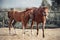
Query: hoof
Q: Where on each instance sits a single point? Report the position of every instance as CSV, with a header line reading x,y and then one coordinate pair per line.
x,y
9,33
14,34
24,33
37,34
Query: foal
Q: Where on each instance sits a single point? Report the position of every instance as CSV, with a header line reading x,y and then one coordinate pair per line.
x,y
23,17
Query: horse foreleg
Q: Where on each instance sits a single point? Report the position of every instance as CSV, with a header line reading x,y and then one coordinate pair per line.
x,y
23,29
37,29
43,26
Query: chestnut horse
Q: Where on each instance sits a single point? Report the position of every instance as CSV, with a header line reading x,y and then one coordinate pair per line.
x,y
39,16
15,16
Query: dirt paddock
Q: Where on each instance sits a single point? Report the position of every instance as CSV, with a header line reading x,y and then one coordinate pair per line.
x,y
50,34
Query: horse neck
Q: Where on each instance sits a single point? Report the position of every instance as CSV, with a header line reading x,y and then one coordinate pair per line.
x,y
40,10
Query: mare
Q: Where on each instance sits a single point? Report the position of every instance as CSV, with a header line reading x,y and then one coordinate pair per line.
x,y
39,16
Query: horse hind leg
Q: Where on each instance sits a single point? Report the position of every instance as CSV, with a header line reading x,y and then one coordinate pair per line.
x,y
14,26
9,28
31,27
9,25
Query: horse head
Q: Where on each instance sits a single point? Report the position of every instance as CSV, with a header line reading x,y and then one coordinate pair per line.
x,y
44,11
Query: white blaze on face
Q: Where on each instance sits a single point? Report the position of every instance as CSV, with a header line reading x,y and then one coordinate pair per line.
x,y
46,10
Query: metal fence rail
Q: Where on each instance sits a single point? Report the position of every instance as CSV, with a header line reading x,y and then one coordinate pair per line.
x,y
53,18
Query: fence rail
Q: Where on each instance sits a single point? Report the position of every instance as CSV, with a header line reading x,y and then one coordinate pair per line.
x,y
53,18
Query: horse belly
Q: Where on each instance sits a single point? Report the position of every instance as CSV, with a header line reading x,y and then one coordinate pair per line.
x,y
17,17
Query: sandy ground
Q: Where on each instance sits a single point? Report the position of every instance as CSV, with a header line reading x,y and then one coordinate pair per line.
x,y
50,34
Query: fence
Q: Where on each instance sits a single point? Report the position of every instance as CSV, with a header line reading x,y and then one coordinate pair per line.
x,y
53,18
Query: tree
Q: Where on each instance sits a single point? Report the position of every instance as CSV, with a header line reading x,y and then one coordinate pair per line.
x,y
45,3
55,5
58,2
